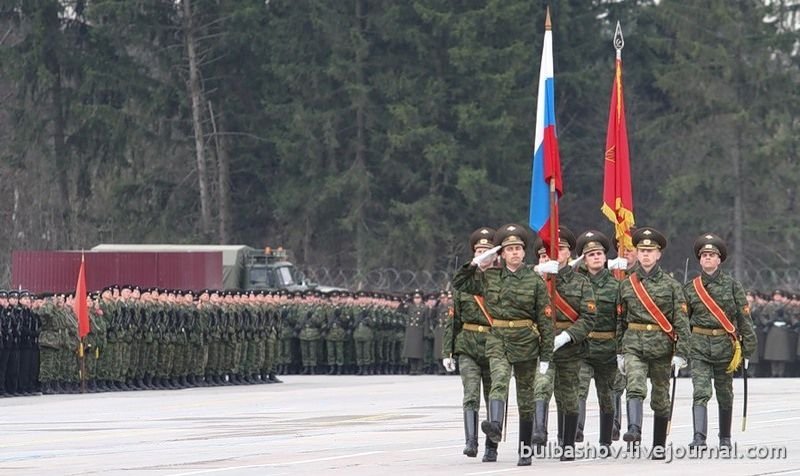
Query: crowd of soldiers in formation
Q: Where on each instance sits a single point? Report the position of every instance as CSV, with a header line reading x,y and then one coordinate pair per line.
x,y
776,318
165,339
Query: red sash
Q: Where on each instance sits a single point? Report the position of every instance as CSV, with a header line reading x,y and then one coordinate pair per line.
x,y
482,304
562,305
712,306
651,307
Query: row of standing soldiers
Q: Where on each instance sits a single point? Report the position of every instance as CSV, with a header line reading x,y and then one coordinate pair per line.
x,y
167,339
777,322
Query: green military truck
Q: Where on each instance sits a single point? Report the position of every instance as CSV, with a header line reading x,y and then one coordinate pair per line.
x,y
243,267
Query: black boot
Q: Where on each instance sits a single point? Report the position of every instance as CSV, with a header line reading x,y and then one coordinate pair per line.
x,y
725,417
331,369
634,433
46,389
525,449
606,428
490,451
471,433
274,379
540,423
581,421
700,420
360,370
338,370
617,416
307,370
560,434
493,427
659,437
570,428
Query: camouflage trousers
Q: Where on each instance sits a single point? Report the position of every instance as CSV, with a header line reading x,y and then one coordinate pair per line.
x,y
637,370
48,364
525,375
335,350
309,350
605,376
473,373
561,379
364,352
702,373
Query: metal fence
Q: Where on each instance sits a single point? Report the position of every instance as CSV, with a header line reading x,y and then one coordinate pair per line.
x,y
404,280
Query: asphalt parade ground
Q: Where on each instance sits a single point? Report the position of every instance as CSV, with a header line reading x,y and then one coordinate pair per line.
x,y
350,425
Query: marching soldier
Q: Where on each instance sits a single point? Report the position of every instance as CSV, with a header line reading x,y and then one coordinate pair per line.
x,y
515,300
575,318
722,334
465,339
652,336
601,358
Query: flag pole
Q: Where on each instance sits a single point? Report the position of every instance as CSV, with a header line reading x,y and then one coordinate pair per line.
x,y
81,346
619,43
81,356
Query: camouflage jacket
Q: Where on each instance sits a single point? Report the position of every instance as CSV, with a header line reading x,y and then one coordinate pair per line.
x,y
512,296
459,341
668,295
577,291
606,293
729,295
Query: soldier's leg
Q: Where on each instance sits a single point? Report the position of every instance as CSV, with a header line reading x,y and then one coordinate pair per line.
x,y
339,356
542,393
604,375
723,383
619,388
330,359
702,373
584,379
47,369
566,393
636,391
660,372
525,375
501,374
471,381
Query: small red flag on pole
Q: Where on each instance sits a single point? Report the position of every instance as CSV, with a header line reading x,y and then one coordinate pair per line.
x,y
81,307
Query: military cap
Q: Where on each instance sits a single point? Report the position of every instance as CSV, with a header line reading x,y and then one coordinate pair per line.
x,y
538,245
482,237
566,237
710,242
592,240
512,234
361,294
779,292
13,294
417,292
648,238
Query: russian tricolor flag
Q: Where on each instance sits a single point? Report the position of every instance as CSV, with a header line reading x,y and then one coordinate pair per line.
x,y
546,161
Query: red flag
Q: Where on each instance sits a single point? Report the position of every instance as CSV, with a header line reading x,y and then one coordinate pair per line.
x,y
617,192
80,306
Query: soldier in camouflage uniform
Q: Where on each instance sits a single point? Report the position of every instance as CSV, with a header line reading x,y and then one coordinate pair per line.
x,y
335,335
601,361
465,339
575,311
522,330
645,348
363,334
715,334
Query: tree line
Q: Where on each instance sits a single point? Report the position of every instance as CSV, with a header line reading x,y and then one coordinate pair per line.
x,y
364,134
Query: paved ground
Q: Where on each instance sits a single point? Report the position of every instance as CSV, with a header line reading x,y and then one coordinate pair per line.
x,y
344,425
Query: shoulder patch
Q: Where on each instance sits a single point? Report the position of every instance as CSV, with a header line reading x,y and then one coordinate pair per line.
x,y
592,306
451,312
684,307
619,309
548,311
746,310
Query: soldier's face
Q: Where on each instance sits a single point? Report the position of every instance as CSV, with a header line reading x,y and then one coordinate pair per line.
x,y
513,255
595,260
631,257
563,255
647,257
479,250
709,261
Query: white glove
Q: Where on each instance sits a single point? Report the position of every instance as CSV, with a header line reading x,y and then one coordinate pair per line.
x,y
561,340
746,363
550,267
543,366
575,261
486,258
779,324
621,363
678,363
449,364
618,263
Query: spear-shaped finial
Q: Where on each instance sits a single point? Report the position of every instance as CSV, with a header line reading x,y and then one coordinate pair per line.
x,y
619,42
547,24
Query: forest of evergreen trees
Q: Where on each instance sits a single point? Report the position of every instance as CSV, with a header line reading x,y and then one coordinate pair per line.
x,y
379,133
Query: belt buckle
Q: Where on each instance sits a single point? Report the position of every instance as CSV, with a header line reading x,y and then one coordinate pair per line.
x,y
649,327
480,328
714,332
511,324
